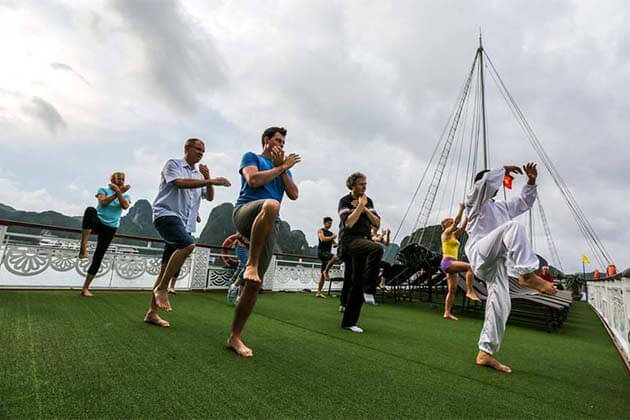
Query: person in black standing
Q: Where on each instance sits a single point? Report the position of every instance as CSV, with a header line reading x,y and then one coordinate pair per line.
x,y
357,214
347,273
324,253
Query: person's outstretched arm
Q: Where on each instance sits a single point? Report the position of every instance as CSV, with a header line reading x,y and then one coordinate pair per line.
x,y
187,183
458,216
171,174
462,228
526,199
452,229
486,188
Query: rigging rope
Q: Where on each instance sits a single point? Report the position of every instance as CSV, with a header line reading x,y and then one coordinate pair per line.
x,y
584,224
426,169
427,204
590,243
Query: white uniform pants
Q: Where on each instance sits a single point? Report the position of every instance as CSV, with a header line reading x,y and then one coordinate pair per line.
x,y
503,252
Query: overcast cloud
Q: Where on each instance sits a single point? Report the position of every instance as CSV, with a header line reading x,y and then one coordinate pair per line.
x,y
360,85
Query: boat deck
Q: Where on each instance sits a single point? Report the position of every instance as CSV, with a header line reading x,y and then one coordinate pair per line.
x,y
71,357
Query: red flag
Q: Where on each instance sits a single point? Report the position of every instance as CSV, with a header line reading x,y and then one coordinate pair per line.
x,y
507,181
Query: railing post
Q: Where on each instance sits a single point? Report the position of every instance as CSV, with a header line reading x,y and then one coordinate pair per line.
x,y
113,270
270,274
3,231
199,268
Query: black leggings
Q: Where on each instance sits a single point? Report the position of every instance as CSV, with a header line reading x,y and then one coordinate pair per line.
x,y
104,235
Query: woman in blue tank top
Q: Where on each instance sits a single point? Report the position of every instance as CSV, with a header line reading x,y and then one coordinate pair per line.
x,y
103,221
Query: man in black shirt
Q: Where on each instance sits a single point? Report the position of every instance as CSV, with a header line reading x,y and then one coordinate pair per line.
x,y
324,247
357,214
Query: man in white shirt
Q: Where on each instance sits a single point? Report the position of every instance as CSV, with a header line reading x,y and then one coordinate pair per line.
x,y
175,211
498,248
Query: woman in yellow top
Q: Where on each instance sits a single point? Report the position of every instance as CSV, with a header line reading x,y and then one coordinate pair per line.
x,y
450,265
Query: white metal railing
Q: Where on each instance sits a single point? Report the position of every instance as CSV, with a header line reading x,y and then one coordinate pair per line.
x,y
36,261
611,300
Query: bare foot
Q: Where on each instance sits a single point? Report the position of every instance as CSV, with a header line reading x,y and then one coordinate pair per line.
x,y
161,300
251,274
532,281
485,359
472,296
83,254
342,308
235,343
320,295
86,293
450,316
154,318
172,291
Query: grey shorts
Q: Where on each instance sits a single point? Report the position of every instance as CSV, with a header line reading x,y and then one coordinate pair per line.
x,y
244,216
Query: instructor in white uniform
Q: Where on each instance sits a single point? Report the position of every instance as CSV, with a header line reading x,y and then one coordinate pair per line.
x,y
498,248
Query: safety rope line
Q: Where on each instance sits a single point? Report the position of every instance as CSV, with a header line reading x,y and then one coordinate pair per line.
x,y
576,210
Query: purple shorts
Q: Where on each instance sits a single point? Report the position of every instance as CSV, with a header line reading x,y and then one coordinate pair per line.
x,y
445,264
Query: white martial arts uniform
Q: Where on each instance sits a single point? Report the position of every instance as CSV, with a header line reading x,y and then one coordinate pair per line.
x,y
497,247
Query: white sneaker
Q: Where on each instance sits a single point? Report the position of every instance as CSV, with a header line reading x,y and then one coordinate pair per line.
x,y
369,299
354,328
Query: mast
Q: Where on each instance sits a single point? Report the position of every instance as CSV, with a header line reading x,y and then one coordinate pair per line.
x,y
531,229
483,104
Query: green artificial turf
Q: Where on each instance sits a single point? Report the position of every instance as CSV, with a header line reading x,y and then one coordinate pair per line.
x,y
71,357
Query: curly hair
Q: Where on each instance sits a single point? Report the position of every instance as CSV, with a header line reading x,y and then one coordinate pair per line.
x,y
115,174
352,179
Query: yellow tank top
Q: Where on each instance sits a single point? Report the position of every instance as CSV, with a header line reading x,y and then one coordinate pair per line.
x,y
450,248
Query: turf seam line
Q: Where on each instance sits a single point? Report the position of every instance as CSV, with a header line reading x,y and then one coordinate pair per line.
x,y
33,363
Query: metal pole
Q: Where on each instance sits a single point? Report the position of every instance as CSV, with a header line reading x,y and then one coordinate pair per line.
x,y
3,231
483,106
531,229
585,282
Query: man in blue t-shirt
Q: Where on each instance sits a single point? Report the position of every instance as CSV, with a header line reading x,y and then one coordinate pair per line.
x,y
264,180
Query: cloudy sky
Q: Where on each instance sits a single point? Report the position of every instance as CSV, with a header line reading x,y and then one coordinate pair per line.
x,y
87,88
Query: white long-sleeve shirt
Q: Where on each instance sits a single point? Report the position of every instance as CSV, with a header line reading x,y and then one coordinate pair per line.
x,y
484,214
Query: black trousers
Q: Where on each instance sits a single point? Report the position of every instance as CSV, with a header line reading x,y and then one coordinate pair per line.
x,y
347,280
366,256
104,234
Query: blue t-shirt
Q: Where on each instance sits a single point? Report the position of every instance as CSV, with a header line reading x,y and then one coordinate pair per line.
x,y
273,189
110,214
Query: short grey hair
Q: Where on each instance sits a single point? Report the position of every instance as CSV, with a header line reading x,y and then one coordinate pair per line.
x,y
191,142
352,179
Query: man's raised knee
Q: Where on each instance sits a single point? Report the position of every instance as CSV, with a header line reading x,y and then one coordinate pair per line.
x,y
271,206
